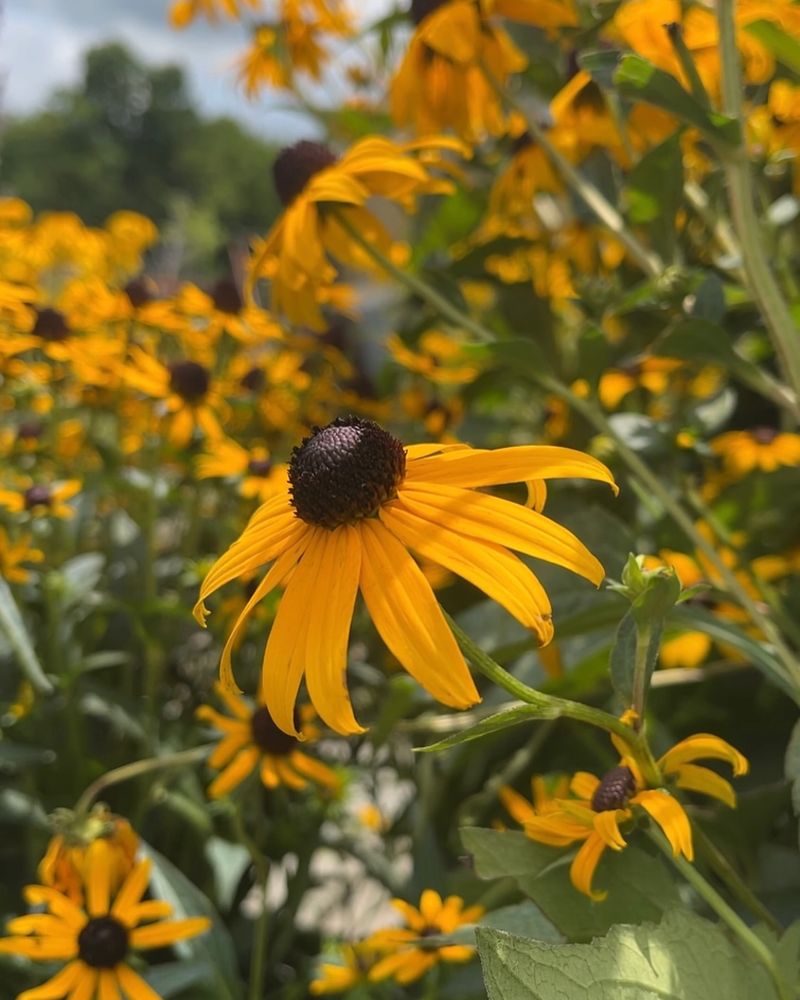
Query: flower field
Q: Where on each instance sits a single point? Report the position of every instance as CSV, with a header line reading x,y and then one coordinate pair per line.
x,y
406,605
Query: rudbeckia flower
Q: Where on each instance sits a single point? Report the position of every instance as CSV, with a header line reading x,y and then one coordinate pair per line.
x,y
763,448
14,554
42,499
357,500
82,844
252,740
408,958
96,941
332,977
599,806
260,477
318,189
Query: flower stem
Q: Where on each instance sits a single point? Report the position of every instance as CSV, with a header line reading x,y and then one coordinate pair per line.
x,y
644,633
553,707
137,768
258,955
751,941
761,281
591,196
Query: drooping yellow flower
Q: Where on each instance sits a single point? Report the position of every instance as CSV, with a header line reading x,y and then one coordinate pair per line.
x,y
408,958
96,940
14,554
357,500
82,845
318,190
592,816
252,740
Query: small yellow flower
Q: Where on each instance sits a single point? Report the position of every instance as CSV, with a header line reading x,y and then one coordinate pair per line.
x,y
260,478
597,807
96,939
408,959
356,502
764,449
358,960
438,356
252,740
41,500
14,554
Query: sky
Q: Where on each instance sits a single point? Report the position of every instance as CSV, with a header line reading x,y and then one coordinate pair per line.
x,y
43,42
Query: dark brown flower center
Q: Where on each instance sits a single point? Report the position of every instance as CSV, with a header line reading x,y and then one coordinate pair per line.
x,y
226,296
296,165
420,9
38,496
103,943
615,788
259,466
254,380
30,430
765,435
51,325
189,380
344,472
139,292
268,737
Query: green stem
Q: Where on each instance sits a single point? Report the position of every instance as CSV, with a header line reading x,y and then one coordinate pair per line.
x,y
137,768
555,708
717,861
761,282
751,941
258,955
594,199
644,634
699,92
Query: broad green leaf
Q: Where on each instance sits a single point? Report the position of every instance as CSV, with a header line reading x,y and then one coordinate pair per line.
x,y
792,767
685,957
655,185
759,653
623,658
639,887
521,918
641,80
494,724
172,978
14,630
214,947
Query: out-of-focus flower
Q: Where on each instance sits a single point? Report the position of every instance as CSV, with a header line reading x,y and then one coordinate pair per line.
x,y
357,961
764,448
253,741
14,554
438,356
259,477
42,499
183,12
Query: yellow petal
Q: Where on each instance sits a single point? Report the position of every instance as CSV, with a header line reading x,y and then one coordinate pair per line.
x,y
556,830
108,989
607,828
134,986
409,620
703,746
584,864
503,523
516,805
584,784
235,773
132,890
701,779
85,984
518,464
430,904
671,817
168,932
314,769
98,885
537,494
58,904
330,600
57,987
491,568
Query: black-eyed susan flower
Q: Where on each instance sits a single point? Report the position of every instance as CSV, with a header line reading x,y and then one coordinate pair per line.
x,y
183,12
42,499
318,189
598,807
82,844
13,556
405,955
357,961
764,448
253,741
438,356
96,940
357,500
259,477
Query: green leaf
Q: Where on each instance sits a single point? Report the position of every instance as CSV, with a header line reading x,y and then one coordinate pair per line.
x,y
642,81
521,918
172,978
709,300
655,185
494,724
215,946
696,339
14,755
600,64
639,885
623,658
683,958
758,653
524,356
792,767
785,47
13,628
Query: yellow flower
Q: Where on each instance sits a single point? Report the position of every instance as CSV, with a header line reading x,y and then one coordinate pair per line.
x,y
81,845
14,554
183,12
252,740
408,958
764,448
544,797
357,500
317,189
335,978
439,357
598,806
42,499
259,476
96,940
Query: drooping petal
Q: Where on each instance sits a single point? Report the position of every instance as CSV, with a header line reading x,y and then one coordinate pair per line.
x,y
314,769
57,987
287,775
516,805
168,932
671,817
584,865
235,773
694,778
409,620
330,600
491,568
556,829
703,746
517,464
511,525
584,784
606,824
